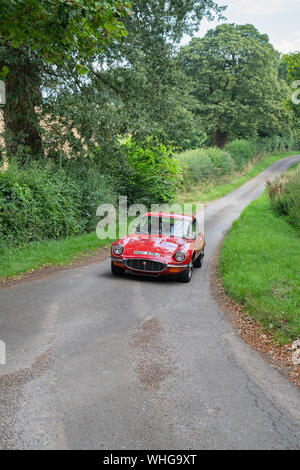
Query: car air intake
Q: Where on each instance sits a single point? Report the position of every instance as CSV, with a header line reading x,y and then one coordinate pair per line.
x,y
145,265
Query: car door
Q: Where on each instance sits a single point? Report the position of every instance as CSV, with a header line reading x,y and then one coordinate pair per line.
x,y
198,237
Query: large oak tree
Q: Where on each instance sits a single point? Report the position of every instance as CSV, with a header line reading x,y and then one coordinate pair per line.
x,y
35,31
236,84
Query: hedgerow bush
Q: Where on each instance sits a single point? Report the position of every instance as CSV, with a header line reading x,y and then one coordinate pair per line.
x,y
153,175
38,202
276,143
57,200
95,187
210,163
242,151
203,164
285,198
42,203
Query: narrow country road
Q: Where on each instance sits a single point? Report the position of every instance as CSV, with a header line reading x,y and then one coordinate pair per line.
x,y
98,362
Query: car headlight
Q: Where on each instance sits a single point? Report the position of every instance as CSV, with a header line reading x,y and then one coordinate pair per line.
x,y
118,249
180,256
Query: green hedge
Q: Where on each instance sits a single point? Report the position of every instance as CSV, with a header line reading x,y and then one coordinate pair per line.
x,y
276,143
242,151
39,203
203,164
48,202
286,202
154,175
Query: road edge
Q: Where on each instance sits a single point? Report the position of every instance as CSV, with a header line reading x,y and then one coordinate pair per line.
x,y
269,374
45,271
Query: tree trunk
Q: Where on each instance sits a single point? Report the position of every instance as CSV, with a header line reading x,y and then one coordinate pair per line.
x,y
22,130
221,138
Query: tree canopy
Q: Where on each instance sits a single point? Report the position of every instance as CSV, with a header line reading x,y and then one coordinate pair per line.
x,y
98,59
236,84
292,75
55,29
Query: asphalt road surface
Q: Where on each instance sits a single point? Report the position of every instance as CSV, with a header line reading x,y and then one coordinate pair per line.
x,y
101,362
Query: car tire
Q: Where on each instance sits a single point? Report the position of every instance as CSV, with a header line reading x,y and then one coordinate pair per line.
x,y
199,261
186,275
116,270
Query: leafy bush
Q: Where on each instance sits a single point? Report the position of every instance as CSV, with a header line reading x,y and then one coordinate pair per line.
x,y
285,198
39,203
95,187
153,174
276,143
242,151
203,164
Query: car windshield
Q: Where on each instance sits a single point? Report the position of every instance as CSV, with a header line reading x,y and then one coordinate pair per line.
x,y
166,226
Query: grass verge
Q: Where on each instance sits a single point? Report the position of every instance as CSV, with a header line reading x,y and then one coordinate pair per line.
x,y
207,192
21,260
260,267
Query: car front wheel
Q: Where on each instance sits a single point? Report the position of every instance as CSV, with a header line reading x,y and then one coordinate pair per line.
x,y
186,275
116,270
199,261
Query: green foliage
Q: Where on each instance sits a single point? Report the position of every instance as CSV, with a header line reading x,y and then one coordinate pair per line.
x,y
155,175
185,131
212,164
57,29
133,87
242,151
291,62
237,89
285,198
205,164
206,191
260,263
39,203
278,143
37,33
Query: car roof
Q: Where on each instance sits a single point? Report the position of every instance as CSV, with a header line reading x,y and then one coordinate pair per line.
x,y
172,215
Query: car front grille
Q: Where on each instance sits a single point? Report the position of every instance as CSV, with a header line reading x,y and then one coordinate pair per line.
x,y
145,265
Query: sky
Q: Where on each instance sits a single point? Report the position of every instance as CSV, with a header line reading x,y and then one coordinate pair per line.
x,y
279,19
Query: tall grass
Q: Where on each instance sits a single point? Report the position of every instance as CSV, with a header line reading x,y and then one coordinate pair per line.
x,y
204,164
242,151
211,165
285,197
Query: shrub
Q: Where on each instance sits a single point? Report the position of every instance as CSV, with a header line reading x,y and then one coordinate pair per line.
x,y
95,187
44,202
242,151
286,201
203,164
38,203
276,143
153,174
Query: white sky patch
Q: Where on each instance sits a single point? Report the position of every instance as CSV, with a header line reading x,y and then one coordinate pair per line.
x,y
286,46
263,7
279,19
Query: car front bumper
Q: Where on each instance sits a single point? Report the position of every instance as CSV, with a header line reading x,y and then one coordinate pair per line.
x,y
167,268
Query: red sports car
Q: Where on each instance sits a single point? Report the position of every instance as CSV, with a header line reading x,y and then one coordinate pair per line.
x,y
164,243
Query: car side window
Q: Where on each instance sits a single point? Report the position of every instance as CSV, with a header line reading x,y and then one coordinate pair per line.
x,y
195,228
